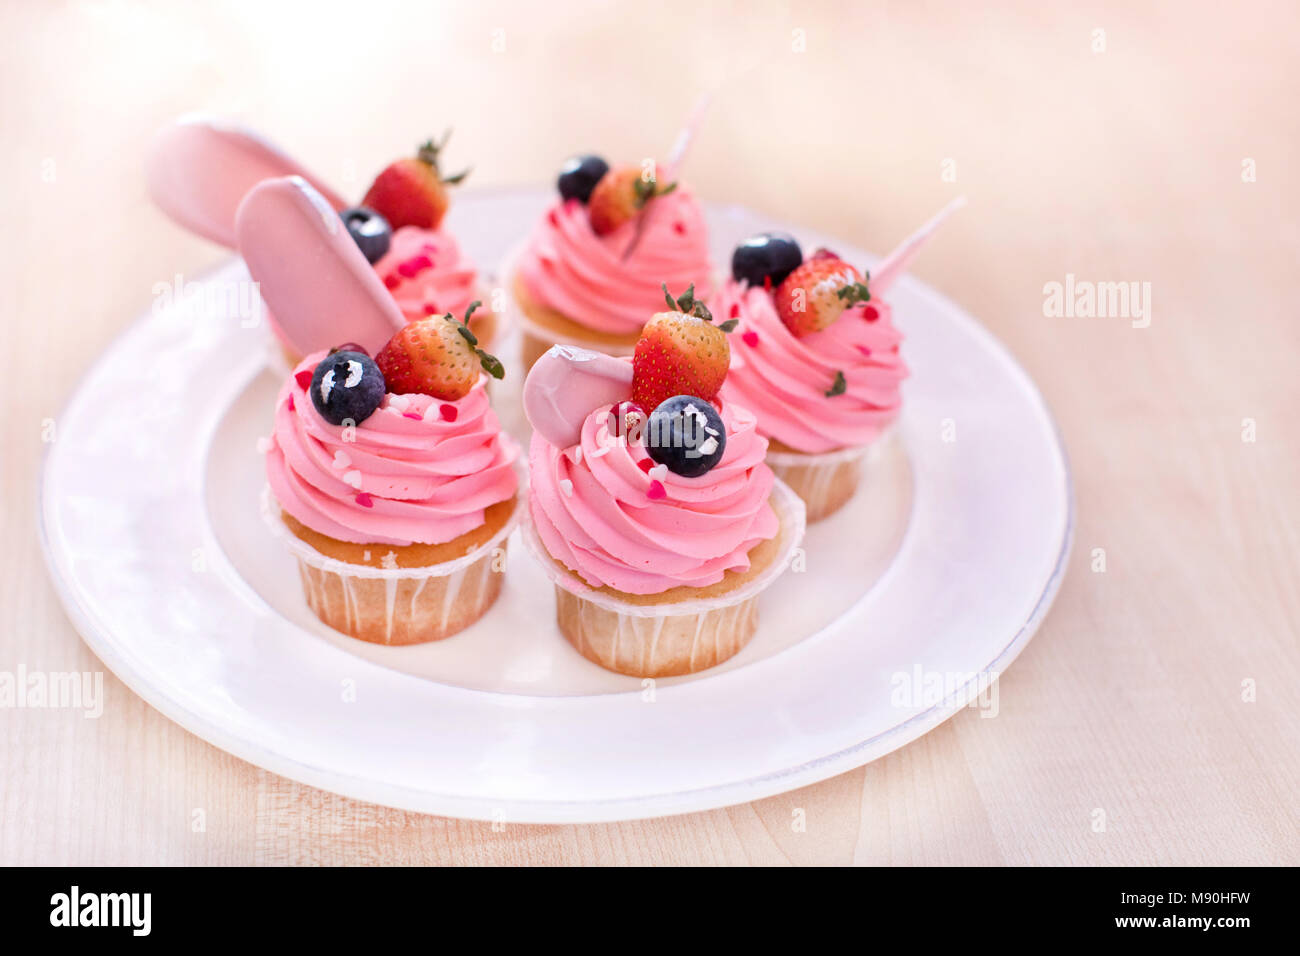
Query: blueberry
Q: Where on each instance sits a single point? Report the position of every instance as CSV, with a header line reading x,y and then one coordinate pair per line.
x,y
370,231
579,175
771,255
347,385
686,434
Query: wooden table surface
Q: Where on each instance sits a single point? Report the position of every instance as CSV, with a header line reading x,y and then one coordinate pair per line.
x,y
1155,145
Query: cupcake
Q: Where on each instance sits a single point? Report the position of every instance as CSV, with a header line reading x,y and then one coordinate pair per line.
x,y
659,529
817,358
389,478
590,273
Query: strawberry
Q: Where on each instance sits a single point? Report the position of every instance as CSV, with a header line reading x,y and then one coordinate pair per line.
x,y
437,356
411,191
620,195
680,352
816,293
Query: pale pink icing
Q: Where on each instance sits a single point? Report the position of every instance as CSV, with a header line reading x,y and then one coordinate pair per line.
x,y
427,273
427,479
594,514
784,379
569,268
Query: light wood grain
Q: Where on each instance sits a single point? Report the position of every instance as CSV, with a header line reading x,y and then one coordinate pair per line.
x,y
1119,165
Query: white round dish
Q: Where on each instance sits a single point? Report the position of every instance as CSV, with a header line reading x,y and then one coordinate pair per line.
x,y
939,571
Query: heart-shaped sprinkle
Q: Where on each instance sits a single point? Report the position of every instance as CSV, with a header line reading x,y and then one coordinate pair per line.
x,y
646,464
399,402
869,313
656,491
449,412
303,378
365,501
352,478
750,338
413,415
391,282
658,472
735,311
864,350
342,459
291,405
566,486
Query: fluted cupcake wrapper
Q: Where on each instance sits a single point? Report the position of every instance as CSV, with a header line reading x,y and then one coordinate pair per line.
x,y
828,480
663,640
397,605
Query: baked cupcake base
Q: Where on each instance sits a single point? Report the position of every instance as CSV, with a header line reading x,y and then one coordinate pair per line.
x,y
540,327
399,595
682,630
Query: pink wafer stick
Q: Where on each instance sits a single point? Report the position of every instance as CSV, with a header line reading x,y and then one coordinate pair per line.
x,y
200,168
897,262
311,273
665,171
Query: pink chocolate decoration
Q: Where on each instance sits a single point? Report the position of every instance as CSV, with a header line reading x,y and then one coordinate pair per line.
x,y
200,168
897,262
311,273
566,385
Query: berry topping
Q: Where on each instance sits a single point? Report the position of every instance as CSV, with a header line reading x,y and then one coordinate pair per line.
x,y
686,434
680,353
369,230
437,356
838,386
413,191
769,255
347,386
579,175
817,293
620,195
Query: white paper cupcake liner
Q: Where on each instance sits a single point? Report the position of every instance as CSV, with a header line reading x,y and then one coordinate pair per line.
x,y
661,640
398,605
826,481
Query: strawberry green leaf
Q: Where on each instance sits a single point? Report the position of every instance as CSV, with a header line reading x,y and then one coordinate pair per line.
x,y
729,325
458,178
838,387
491,364
857,292
467,335
672,303
701,311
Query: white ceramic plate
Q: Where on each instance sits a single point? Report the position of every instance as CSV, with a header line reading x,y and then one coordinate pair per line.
x,y
938,572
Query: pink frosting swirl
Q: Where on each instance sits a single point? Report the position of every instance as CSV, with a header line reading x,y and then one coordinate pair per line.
x,y
784,379
427,273
420,470
569,268
595,513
